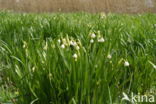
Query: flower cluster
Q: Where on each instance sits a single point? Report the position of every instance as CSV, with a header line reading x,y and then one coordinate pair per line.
x,y
70,43
98,37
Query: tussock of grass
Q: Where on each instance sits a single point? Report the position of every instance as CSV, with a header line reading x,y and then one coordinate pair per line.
x,y
77,58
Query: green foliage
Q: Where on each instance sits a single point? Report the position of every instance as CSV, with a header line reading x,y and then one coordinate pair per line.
x,y
42,66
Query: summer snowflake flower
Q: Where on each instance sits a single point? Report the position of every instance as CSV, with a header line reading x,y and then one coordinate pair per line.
x,y
33,69
101,40
59,41
109,56
91,41
63,46
24,44
93,35
77,47
73,43
126,64
75,56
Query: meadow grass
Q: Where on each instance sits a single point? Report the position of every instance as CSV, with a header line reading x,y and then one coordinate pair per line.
x,y
76,58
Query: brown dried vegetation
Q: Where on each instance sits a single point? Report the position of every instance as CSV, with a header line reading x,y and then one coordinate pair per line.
x,y
119,6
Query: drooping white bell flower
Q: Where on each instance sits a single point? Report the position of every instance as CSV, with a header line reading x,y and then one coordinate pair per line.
x,y
126,64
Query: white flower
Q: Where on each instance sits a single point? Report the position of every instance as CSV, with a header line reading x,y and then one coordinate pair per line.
x,y
33,69
101,40
59,41
73,43
126,64
109,56
93,35
24,44
63,46
75,56
77,47
91,41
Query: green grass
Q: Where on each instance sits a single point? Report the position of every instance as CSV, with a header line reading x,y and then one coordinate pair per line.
x,y
37,69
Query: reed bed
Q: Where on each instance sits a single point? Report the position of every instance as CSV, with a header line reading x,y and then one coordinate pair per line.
x,y
119,6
